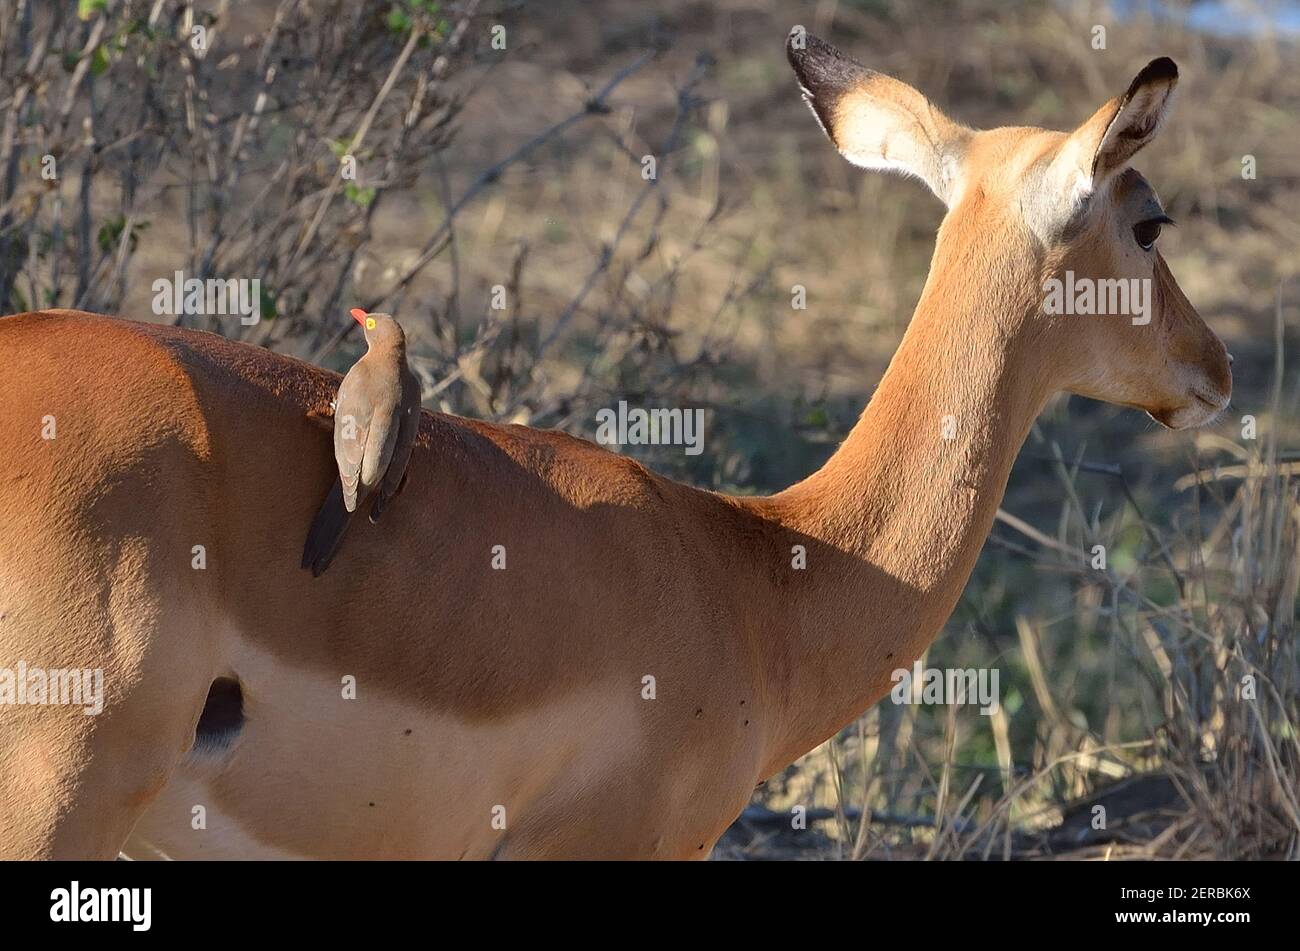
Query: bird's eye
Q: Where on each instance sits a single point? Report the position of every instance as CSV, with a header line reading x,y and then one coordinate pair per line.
x,y
1146,232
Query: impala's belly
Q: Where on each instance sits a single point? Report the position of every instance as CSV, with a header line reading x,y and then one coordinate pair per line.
x,y
326,766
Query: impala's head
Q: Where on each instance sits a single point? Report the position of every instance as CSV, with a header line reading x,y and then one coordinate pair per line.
x,y
1059,221
381,329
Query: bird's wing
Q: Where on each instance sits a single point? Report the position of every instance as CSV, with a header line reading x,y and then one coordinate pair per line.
x,y
385,424
406,433
352,417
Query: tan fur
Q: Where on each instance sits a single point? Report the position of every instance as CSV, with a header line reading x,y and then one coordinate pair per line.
x,y
519,688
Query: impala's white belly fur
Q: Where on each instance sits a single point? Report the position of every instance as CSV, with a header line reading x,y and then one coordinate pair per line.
x,y
314,775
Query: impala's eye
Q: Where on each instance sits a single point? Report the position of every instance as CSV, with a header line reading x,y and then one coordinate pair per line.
x,y
1146,232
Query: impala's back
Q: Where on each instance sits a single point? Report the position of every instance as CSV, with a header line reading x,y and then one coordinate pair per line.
x,y
157,531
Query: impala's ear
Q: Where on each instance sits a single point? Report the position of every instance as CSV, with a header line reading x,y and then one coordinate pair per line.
x,y
1104,144
875,121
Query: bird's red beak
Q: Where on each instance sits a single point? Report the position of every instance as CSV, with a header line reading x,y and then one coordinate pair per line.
x,y
358,315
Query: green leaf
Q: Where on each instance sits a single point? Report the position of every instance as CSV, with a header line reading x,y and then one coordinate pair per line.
x,y
268,302
359,196
110,234
397,20
818,418
99,61
86,9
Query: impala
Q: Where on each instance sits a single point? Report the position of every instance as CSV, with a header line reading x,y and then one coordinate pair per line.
x,y
553,652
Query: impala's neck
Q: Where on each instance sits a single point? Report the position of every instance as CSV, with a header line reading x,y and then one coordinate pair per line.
x,y
894,521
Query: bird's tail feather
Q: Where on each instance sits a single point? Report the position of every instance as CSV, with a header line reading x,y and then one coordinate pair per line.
x,y
327,532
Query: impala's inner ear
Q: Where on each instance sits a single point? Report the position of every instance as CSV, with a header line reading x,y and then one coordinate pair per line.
x,y
1117,131
878,122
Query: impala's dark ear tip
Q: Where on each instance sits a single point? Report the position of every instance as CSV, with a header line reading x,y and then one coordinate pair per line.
x,y
800,45
1163,69
823,71
796,50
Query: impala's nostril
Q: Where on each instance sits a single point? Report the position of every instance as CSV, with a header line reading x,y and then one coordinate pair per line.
x,y
1229,359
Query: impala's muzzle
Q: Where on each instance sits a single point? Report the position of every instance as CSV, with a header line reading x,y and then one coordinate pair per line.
x,y
1196,358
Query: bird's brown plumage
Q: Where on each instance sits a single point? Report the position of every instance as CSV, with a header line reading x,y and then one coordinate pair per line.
x,y
376,417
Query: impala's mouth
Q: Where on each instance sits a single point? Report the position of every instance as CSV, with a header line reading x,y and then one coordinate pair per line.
x,y
1216,403
1201,410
